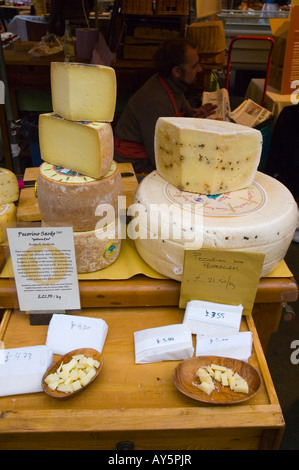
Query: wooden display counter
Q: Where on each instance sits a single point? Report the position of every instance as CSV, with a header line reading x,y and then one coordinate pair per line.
x,y
133,406
143,291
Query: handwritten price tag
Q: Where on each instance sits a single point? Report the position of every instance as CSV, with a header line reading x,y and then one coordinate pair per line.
x,y
68,332
165,343
227,277
21,369
209,318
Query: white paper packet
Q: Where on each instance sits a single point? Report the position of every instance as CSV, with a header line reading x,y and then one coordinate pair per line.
x,y
235,346
166,343
69,332
209,318
22,369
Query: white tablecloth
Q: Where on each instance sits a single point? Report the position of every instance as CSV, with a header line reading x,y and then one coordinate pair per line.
x,y
18,25
275,101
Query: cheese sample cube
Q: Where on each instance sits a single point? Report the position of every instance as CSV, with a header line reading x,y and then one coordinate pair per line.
x,y
206,156
66,197
85,147
9,187
83,92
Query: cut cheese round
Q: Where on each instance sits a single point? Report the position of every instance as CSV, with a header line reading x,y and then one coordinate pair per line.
x,y
261,218
69,198
83,92
97,249
86,147
9,187
205,155
8,214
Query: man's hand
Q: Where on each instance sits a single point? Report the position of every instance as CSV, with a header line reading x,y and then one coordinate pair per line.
x,y
204,111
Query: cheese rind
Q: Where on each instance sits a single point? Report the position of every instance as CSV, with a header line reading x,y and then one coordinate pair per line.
x,y
83,92
8,213
68,198
85,147
96,249
9,187
206,156
266,228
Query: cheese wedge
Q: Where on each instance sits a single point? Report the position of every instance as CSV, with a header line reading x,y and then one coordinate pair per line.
x,y
206,156
85,147
83,92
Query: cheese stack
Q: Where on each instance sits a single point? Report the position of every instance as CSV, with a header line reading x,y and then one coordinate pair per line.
x,y
79,177
9,194
211,166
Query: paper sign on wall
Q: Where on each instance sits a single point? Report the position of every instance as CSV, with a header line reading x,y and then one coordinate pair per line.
x,y
227,277
44,266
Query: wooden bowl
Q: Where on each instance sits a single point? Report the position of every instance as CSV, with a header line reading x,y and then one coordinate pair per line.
x,y
88,352
184,379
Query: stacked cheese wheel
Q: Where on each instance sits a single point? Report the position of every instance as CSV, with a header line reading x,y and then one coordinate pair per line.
x,y
211,165
9,194
79,177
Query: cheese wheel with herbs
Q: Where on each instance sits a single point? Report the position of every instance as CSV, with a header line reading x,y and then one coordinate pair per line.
x,y
206,155
8,213
9,186
261,218
69,198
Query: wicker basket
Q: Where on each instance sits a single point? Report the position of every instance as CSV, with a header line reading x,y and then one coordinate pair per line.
x,y
137,7
209,36
172,7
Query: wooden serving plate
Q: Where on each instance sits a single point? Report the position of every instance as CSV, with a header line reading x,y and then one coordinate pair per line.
x,y
184,379
88,352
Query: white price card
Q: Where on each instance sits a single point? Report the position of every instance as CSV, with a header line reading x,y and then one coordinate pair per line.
x,y
22,369
44,265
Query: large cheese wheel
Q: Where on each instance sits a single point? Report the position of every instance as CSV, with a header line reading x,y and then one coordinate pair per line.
x,y
261,218
97,249
86,147
69,198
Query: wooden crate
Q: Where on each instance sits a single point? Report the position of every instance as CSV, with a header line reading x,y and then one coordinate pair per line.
x,y
139,52
172,7
137,7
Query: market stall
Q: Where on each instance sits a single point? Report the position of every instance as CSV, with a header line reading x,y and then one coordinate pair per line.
x,y
159,323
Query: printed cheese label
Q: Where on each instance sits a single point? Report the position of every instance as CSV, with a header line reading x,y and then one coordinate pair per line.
x,y
65,175
235,203
44,266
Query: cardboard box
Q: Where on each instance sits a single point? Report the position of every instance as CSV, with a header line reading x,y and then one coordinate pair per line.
x,y
285,61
